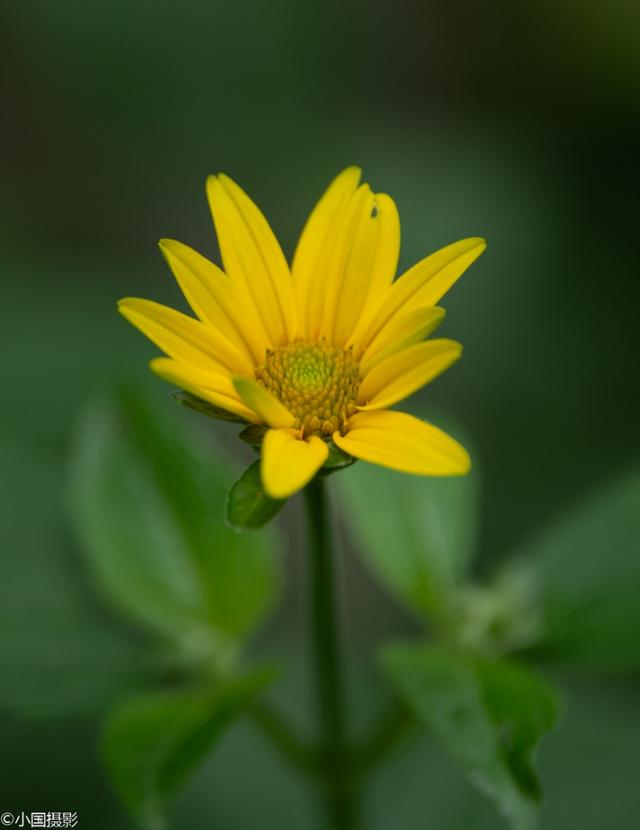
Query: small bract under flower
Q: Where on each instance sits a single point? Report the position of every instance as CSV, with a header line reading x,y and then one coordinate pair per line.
x,y
317,352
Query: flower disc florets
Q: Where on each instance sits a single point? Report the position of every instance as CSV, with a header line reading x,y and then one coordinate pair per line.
x,y
318,384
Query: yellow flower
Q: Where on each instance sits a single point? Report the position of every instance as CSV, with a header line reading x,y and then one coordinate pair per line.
x,y
317,352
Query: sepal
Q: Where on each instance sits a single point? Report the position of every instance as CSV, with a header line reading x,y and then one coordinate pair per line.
x,y
253,435
206,408
248,506
336,460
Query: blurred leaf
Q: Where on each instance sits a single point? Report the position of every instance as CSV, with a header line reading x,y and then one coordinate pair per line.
x,y
59,655
147,499
205,408
488,716
248,506
523,707
589,581
416,533
153,742
62,660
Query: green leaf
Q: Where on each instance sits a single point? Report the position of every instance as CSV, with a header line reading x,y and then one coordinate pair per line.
x,y
206,408
60,655
588,567
488,716
248,506
153,742
59,658
147,500
523,707
417,534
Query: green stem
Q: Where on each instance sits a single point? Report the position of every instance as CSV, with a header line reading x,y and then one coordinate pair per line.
x,y
394,725
293,749
338,778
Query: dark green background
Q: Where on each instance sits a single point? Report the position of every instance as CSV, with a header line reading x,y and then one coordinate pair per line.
x,y
515,121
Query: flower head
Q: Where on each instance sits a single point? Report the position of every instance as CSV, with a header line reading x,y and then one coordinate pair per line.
x,y
318,352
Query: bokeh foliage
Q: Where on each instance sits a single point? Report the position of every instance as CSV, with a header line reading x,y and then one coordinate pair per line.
x,y
147,496
518,122
141,497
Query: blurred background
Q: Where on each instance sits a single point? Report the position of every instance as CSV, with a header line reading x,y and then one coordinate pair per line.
x,y
519,122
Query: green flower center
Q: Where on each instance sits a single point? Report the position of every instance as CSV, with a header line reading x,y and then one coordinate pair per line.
x,y
318,384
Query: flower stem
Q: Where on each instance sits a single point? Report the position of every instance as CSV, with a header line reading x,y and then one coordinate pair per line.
x,y
337,779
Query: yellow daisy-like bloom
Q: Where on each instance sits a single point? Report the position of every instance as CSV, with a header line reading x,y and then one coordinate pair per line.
x,y
320,351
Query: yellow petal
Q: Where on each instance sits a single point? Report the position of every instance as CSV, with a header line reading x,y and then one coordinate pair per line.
x,y
214,298
404,330
424,284
252,257
288,462
216,389
263,403
182,337
403,373
336,263
169,369
317,241
369,268
404,443
386,261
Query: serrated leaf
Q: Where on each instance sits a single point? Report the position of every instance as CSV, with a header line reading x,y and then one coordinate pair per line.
x,y
147,500
417,534
588,569
523,707
206,408
153,742
465,706
248,506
